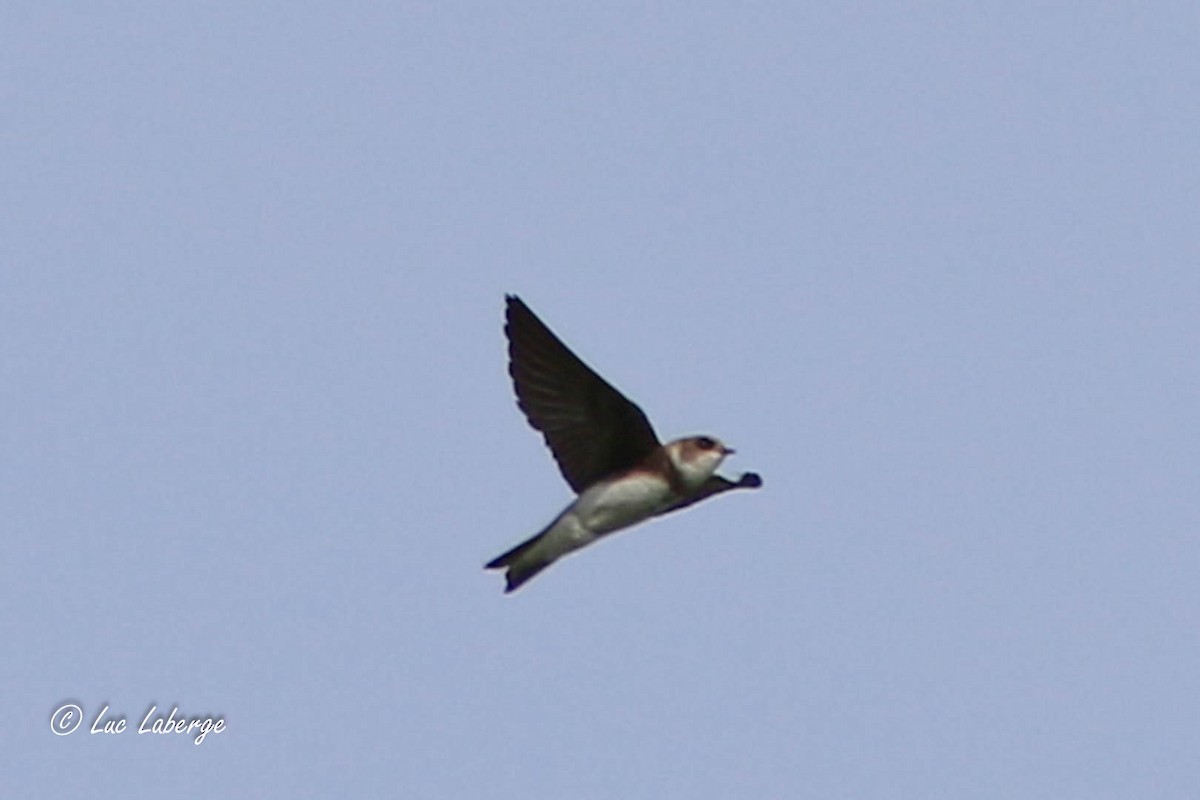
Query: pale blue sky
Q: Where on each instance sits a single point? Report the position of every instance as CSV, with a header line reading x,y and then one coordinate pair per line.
x,y
933,269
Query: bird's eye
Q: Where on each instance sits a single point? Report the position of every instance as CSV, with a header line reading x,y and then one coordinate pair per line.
x,y
705,443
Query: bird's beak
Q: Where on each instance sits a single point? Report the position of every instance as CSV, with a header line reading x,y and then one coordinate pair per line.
x,y
727,450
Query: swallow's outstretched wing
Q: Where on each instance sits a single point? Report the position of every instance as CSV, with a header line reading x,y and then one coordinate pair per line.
x,y
592,429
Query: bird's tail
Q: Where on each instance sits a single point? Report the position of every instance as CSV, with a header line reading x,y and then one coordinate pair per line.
x,y
523,562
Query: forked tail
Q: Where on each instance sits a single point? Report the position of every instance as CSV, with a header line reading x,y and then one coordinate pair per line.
x,y
522,563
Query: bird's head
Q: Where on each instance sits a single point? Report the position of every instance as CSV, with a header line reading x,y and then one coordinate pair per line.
x,y
697,458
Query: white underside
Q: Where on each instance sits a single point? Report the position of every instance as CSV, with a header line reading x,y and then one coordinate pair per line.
x,y
605,508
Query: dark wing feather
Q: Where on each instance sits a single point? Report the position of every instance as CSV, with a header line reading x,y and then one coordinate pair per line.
x,y
592,429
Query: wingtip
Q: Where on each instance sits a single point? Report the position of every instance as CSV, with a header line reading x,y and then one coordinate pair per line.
x,y
514,311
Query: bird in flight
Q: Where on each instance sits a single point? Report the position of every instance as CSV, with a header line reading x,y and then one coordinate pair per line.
x,y
605,448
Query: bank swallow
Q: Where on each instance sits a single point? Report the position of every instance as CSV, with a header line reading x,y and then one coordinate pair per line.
x,y
604,446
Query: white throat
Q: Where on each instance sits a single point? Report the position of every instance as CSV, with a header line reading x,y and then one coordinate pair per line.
x,y
694,467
